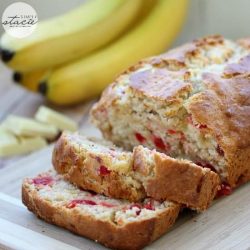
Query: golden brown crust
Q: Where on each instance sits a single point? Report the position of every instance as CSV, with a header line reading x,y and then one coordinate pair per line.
x,y
132,236
176,59
180,181
160,84
193,186
175,180
173,60
225,108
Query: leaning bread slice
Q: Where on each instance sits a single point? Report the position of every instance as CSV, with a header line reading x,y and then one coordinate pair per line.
x,y
114,223
103,168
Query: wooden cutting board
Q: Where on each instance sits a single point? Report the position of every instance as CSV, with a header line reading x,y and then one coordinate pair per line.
x,y
226,225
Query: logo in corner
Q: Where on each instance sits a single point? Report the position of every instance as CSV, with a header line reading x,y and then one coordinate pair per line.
x,y
19,19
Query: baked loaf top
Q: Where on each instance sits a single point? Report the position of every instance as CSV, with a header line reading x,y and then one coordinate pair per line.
x,y
101,167
199,92
115,223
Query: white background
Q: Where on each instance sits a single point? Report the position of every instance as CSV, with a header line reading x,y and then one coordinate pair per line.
x,y
230,18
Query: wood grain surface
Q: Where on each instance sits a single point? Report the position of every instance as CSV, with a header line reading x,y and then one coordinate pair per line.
x,y
226,225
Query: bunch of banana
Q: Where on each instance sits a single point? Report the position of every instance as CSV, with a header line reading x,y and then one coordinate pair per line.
x,y
70,36
90,46
29,80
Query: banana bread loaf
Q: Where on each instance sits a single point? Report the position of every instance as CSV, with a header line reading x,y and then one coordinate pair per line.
x,y
191,102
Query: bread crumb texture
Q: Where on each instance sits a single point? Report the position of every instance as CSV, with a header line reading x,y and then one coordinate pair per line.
x,y
117,224
192,102
51,187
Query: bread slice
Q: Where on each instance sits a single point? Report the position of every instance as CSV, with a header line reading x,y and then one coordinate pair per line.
x,y
116,224
192,102
106,169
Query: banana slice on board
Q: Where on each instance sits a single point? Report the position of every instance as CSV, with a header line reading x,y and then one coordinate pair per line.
x,y
52,117
11,146
28,127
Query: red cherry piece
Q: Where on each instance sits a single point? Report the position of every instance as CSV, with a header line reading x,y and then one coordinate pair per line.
x,y
159,143
103,170
73,203
220,150
137,206
138,212
140,138
149,205
172,131
46,180
105,204
225,189
201,126
89,202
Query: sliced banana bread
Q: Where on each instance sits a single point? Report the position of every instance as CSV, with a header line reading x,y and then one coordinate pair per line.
x,y
116,224
191,102
106,169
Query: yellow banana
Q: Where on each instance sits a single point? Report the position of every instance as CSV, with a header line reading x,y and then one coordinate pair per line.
x,y
87,77
69,36
29,80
